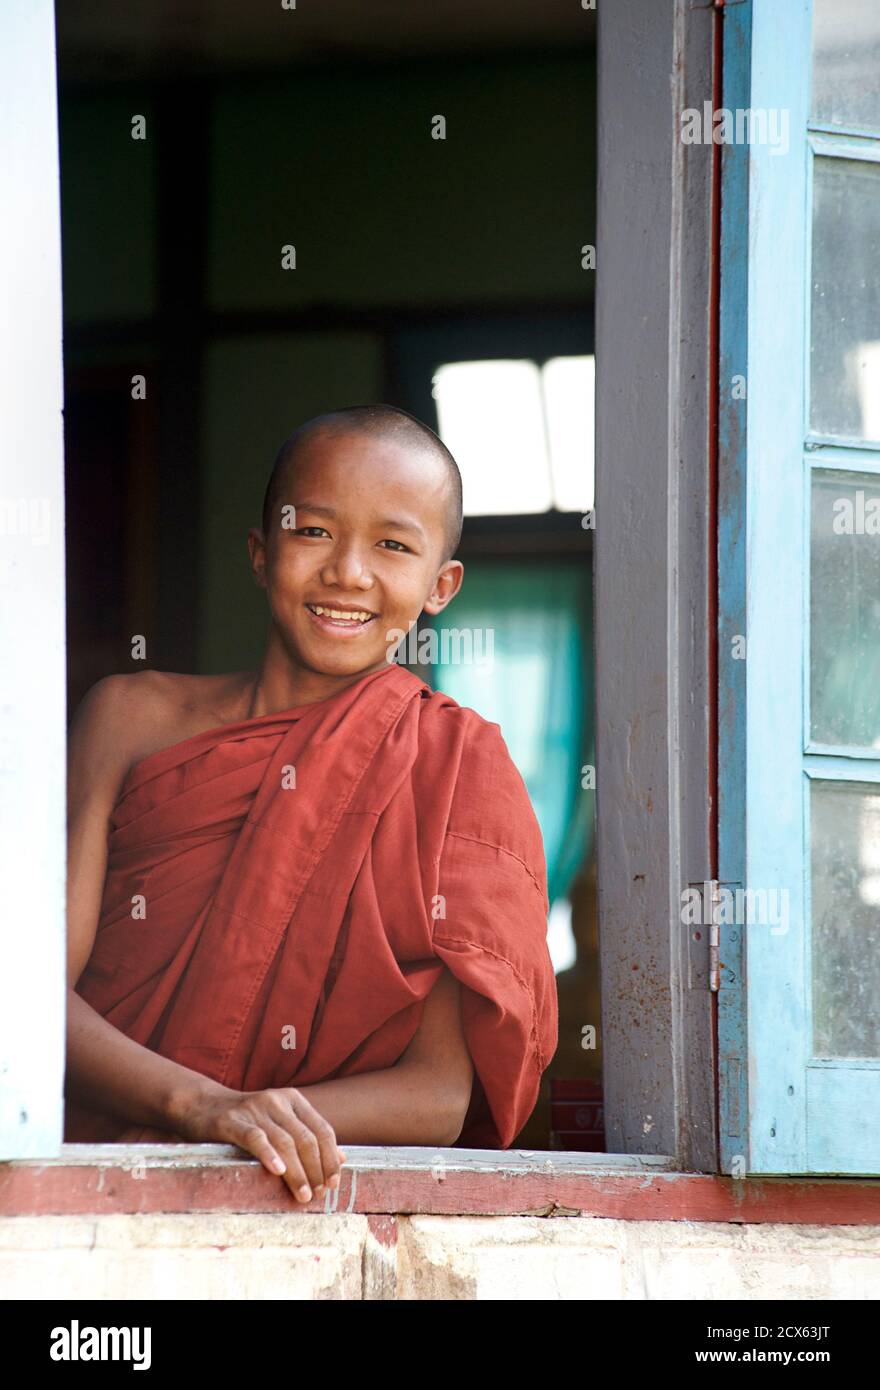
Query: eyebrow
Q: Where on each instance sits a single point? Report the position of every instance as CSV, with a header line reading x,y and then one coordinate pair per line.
x,y
392,522
315,507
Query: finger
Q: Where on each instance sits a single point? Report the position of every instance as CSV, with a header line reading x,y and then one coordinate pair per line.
x,y
283,1105
329,1154
292,1140
309,1149
254,1140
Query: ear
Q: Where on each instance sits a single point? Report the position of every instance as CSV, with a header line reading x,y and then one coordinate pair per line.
x,y
257,551
445,586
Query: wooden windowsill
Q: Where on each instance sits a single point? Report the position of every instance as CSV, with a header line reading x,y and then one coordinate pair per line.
x,y
101,1179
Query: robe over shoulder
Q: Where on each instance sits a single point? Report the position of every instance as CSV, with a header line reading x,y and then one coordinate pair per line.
x,y
282,893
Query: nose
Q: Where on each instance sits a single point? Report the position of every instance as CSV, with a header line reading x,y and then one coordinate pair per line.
x,y
348,567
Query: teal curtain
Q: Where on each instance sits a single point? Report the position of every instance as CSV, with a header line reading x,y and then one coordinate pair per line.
x,y
538,688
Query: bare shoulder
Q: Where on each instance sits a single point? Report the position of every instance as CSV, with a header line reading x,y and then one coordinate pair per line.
x,y
124,718
111,723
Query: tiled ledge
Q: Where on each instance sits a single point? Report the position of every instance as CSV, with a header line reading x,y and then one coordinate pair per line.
x,y
131,1178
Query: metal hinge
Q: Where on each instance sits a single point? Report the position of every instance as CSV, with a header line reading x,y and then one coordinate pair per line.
x,y
714,935
704,939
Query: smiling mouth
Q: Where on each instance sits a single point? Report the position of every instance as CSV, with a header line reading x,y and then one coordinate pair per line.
x,y
343,619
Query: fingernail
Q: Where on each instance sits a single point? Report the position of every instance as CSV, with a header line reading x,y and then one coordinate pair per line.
x,y
278,1165
334,1181
319,1190
305,1193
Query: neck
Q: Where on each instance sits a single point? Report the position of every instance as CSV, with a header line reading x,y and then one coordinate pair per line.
x,y
279,684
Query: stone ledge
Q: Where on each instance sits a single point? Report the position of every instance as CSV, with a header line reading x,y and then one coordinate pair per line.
x,y
302,1256
478,1258
284,1256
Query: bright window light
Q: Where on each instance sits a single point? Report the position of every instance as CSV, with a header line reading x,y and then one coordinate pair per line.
x,y
491,417
569,400
560,937
522,435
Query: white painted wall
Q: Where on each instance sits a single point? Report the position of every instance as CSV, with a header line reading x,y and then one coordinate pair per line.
x,y
32,643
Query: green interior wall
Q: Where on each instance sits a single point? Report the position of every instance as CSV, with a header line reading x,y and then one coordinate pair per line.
x,y
108,208
379,212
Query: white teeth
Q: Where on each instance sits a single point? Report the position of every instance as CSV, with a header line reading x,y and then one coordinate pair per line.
x,y
339,615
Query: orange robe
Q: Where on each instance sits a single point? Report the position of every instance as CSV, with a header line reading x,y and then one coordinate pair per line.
x,y
303,876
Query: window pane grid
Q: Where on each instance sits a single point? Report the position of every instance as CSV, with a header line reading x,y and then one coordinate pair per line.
x,y
841,527
843,909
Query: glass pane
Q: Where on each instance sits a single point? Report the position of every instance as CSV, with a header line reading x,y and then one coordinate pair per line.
x,y
570,397
491,418
845,835
845,329
846,63
845,609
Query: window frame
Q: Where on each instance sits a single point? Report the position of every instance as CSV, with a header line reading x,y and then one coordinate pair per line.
x,y
768,1077
32,595
384,1184
656,406
654,314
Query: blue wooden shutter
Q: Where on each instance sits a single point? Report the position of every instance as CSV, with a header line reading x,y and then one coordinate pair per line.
x,y
799,555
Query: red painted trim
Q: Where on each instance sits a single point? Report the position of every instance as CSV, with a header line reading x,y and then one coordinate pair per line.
x,y
32,1188
713,462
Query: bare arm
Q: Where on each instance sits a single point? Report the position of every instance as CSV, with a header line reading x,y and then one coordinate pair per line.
x,y
104,1067
423,1098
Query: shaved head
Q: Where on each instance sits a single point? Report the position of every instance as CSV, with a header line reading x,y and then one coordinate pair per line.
x,y
378,421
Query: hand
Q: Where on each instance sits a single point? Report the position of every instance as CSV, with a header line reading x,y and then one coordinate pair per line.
x,y
279,1127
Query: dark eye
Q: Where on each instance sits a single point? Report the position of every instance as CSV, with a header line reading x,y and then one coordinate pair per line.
x,y
397,544
309,530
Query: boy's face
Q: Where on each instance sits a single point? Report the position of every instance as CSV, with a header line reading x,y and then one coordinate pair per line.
x,y
366,537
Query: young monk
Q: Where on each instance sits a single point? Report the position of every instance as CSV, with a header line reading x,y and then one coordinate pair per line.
x,y
308,903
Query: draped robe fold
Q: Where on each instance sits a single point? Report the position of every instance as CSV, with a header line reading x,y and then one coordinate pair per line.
x,y
281,895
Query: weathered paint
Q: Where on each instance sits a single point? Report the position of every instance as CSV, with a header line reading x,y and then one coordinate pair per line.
x,y
652,582
152,1179
284,1257
802,1114
775,975
732,444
